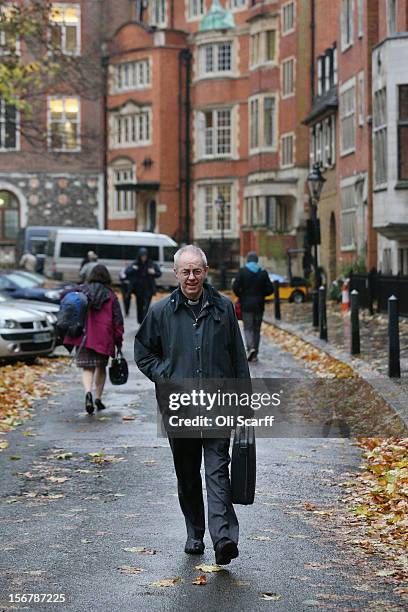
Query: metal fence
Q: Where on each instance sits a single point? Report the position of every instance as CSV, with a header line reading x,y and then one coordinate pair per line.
x,y
374,289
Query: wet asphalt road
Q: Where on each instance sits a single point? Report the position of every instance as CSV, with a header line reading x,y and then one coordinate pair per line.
x,y
68,537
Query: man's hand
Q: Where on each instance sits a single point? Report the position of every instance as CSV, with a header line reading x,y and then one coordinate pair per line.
x,y
151,271
135,267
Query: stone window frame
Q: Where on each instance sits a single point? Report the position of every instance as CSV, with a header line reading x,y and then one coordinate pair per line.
x,y
62,7
63,149
348,214
241,7
261,59
392,17
136,85
213,38
260,146
159,8
202,58
289,137
380,136
347,114
347,24
360,18
196,16
135,112
3,39
121,164
201,135
285,74
284,9
200,211
3,126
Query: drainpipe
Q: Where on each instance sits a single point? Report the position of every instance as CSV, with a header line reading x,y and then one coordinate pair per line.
x,y
105,62
185,58
313,45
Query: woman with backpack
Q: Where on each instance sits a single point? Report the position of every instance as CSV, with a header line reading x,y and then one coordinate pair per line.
x,y
102,334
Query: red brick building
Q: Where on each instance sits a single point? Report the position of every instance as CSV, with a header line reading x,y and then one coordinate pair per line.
x,y
217,113
52,172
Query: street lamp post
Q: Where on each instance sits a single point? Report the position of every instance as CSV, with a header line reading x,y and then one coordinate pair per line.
x,y
315,182
220,204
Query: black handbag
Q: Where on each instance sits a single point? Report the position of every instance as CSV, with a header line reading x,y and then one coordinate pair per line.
x,y
243,466
118,371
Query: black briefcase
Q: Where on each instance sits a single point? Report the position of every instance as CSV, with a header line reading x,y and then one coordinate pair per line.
x,y
243,466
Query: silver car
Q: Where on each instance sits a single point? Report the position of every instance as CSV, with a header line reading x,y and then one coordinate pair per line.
x,y
25,332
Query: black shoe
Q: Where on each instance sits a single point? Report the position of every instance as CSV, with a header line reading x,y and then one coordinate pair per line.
x,y
194,547
99,405
225,551
251,354
89,407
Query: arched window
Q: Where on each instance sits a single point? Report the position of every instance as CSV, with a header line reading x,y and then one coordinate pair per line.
x,y
9,216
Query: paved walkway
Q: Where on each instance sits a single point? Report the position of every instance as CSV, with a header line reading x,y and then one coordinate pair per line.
x,y
68,516
373,332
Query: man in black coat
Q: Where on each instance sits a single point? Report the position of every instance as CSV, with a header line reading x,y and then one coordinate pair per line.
x,y
194,333
251,286
141,275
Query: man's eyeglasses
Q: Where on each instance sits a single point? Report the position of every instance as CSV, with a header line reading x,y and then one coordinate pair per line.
x,y
197,273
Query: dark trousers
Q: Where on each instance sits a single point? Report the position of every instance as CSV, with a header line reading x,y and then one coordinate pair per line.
x,y
187,454
126,296
143,300
252,329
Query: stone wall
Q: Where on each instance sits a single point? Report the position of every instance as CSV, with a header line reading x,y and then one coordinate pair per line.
x,y
57,199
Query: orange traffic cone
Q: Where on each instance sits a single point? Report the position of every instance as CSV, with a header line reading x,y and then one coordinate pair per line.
x,y
345,296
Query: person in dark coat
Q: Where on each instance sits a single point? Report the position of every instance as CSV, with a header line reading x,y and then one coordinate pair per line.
x,y
141,275
103,334
251,286
194,333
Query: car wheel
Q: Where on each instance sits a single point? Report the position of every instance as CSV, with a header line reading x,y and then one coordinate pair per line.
x,y
29,360
298,297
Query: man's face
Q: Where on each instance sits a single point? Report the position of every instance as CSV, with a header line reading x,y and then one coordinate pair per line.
x,y
143,258
191,274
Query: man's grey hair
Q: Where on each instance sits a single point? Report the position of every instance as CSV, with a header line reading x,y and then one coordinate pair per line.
x,y
190,248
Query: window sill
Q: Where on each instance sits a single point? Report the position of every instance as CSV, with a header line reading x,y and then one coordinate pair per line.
x,y
348,249
380,188
270,64
348,152
9,150
291,31
401,184
130,89
261,150
209,76
215,158
64,151
346,47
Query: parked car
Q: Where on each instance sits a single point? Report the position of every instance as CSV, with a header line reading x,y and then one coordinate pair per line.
x,y
48,308
66,249
294,290
25,333
20,285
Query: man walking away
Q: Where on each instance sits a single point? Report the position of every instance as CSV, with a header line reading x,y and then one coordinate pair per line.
x,y
141,275
194,333
28,262
87,268
251,286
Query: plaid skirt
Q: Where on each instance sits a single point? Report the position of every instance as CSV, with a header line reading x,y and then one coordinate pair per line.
x,y
88,358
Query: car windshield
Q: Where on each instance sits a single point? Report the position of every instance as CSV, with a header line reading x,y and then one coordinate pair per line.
x,y
25,282
38,278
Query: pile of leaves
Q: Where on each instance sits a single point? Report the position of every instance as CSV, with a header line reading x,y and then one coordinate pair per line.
x,y
378,497
320,362
20,385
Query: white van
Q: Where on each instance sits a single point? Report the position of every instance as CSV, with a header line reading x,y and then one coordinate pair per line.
x,y
66,248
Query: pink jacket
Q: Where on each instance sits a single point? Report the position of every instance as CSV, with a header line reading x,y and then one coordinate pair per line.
x,y
104,328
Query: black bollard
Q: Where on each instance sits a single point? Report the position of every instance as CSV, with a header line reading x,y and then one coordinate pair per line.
x,y
355,324
315,305
394,369
276,299
322,314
